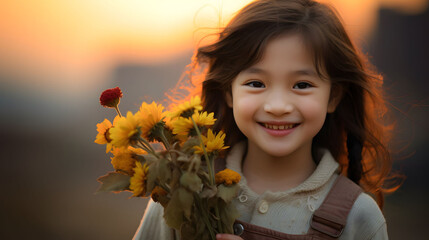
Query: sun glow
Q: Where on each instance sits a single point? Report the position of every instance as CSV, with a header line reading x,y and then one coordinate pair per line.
x,y
76,39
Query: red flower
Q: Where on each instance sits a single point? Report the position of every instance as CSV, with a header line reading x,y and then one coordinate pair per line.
x,y
111,97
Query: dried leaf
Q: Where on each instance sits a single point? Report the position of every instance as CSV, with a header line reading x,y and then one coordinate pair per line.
x,y
228,215
208,192
113,182
164,200
204,176
188,231
178,208
191,181
183,158
175,179
186,200
227,193
202,231
163,170
173,213
190,143
196,160
149,158
151,177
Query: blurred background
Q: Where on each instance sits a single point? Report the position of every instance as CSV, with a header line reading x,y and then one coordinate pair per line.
x,y
56,57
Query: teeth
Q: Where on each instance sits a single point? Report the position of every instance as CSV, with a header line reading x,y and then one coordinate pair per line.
x,y
278,127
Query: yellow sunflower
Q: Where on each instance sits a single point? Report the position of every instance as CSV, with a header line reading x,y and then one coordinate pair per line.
x,y
227,177
150,117
213,142
182,126
138,180
126,131
187,108
124,159
103,136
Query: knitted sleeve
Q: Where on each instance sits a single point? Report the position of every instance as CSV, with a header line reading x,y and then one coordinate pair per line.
x,y
365,221
153,225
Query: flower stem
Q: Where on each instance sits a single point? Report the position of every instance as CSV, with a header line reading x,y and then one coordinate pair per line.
x,y
209,163
147,146
205,216
219,222
117,110
210,167
165,140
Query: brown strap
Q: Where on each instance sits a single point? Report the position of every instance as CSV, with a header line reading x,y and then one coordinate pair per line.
x,y
254,232
330,218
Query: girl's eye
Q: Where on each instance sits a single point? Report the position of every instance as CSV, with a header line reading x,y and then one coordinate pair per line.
x,y
302,85
255,84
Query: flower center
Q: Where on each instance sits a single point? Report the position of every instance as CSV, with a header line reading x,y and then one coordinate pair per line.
x,y
107,135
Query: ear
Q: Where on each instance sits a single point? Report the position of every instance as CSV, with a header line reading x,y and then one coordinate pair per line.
x,y
228,98
335,97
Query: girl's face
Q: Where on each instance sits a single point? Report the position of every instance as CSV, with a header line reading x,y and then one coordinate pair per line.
x,y
280,103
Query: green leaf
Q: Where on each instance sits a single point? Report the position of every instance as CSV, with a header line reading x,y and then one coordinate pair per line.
x,y
202,231
149,158
208,192
228,214
196,161
151,177
188,231
227,193
183,158
163,170
191,181
176,177
186,200
178,208
190,143
113,182
173,213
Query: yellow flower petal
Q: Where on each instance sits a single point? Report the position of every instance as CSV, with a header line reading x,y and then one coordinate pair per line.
x,y
183,126
212,142
102,129
126,131
124,159
103,136
187,107
150,116
138,180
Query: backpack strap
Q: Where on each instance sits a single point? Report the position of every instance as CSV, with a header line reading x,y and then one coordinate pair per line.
x,y
329,220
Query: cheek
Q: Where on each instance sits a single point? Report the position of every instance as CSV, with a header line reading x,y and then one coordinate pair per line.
x,y
243,107
315,111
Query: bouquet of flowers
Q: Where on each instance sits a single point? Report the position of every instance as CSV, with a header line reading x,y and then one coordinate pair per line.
x,y
169,156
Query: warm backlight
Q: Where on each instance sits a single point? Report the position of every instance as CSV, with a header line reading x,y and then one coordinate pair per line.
x,y
48,39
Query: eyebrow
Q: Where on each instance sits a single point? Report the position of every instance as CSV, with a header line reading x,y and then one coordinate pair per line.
x,y
305,71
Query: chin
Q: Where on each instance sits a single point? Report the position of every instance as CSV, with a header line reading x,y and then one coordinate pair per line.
x,y
278,152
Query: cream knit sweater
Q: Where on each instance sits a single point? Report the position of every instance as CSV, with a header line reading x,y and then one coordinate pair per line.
x,y
289,212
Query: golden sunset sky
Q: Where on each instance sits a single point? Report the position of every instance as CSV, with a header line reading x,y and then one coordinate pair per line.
x,y
62,44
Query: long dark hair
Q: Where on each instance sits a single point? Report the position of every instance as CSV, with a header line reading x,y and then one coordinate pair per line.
x,y
355,133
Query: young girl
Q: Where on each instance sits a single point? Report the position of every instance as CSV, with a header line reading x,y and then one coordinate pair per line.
x,y
301,110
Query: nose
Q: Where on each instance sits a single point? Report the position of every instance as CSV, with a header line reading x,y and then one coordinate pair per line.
x,y
278,103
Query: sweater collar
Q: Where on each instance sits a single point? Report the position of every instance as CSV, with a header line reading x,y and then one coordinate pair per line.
x,y
325,169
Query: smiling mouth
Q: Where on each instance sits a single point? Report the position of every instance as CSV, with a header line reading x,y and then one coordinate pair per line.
x,y
279,127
